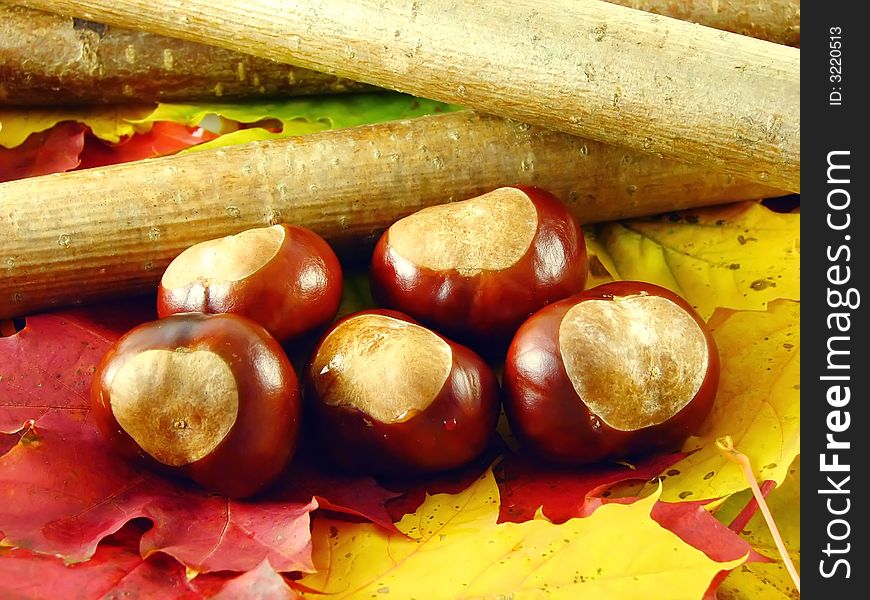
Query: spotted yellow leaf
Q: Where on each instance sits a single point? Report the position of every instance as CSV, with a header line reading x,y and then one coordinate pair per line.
x,y
455,549
758,404
739,256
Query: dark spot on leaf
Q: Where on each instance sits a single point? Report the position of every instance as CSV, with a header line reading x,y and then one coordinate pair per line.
x,y
684,495
597,268
734,266
673,472
762,284
709,475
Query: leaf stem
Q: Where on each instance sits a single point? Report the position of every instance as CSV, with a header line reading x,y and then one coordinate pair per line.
x,y
726,447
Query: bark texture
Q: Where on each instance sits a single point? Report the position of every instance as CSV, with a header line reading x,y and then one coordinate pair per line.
x,y
777,21
586,67
111,231
47,59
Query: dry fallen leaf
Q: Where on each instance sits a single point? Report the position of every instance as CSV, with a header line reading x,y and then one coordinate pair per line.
x,y
457,550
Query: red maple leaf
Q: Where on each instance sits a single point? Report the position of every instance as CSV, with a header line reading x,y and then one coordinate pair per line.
x,y
164,138
62,489
53,151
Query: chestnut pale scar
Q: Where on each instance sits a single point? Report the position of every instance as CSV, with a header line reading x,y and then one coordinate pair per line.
x,y
385,367
178,406
635,361
489,233
230,258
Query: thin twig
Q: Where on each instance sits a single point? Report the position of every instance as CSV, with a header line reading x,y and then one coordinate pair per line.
x,y
726,447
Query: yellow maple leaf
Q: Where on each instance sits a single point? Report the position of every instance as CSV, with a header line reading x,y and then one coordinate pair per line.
x,y
767,581
455,549
758,404
738,256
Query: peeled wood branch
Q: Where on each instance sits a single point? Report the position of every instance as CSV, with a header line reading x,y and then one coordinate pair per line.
x,y
47,59
586,67
111,231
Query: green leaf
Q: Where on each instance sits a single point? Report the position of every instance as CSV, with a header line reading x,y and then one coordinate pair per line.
x,y
334,112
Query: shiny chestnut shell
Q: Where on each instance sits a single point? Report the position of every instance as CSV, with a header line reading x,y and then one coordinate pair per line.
x,y
294,288
547,413
482,306
453,429
257,443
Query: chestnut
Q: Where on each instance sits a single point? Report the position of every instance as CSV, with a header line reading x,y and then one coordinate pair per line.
x,y
285,277
476,269
209,397
390,396
622,369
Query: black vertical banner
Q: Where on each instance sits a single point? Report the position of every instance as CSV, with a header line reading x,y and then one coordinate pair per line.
x,y
835,363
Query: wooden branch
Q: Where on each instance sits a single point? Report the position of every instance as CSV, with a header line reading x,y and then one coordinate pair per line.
x,y
41,57
47,59
777,21
100,232
585,67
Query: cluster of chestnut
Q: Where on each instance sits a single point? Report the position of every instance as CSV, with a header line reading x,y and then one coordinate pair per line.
x,y
208,392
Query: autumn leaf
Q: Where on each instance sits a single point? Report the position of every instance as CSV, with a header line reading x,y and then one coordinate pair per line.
x,y
758,404
739,256
768,581
115,571
111,124
53,151
62,489
261,583
162,139
301,115
47,366
530,489
458,550
527,486
30,145
601,266
331,111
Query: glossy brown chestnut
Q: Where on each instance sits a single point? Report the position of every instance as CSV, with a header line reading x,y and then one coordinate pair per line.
x,y
477,269
392,397
622,369
209,397
284,277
